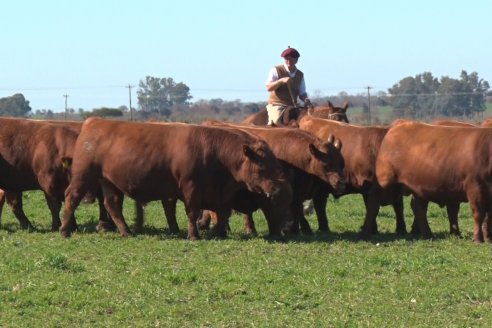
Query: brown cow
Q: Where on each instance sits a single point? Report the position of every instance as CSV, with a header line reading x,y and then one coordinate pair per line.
x,y
452,209
293,114
360,147
244,201
202,166
33,156
447,165
50,151
311,164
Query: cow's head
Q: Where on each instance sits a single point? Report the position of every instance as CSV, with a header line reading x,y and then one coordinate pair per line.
x,y
260,170
327,163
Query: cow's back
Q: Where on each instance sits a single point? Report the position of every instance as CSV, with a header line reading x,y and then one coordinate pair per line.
x,y
437,163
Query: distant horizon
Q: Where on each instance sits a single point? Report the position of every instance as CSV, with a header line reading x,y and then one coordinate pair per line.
x,y
74,96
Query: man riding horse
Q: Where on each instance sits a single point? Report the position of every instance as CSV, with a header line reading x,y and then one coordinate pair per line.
x,y
285,84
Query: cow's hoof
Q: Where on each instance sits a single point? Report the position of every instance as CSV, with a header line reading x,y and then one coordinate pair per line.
x,y
65,233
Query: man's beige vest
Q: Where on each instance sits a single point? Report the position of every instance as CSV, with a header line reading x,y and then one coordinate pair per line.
x,y
281,95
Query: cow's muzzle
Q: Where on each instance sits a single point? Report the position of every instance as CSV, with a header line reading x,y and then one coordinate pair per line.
x,y
337,183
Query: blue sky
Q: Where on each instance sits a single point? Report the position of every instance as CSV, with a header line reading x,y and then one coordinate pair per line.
x,y
91,50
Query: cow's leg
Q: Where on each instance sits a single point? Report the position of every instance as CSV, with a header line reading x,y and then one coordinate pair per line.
x,y
2,202
73,196
139,217
169,206
203,222
292,227
487,222
221,222
453,210
320,198
105,223
478,220
487,226
55,206
113,201
370,225
401,228
193,213
274,217
419,208
479,198
249,224
14,199
298,211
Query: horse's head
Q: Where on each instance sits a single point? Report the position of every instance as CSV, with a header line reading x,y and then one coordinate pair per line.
x,y
331,112
290,116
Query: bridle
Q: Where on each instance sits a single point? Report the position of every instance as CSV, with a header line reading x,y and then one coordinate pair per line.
x,y
340,117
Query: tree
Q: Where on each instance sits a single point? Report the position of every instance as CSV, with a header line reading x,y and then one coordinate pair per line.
x,y
104,112
477,89
414,96
450,100
159,95
426,96
15,105
463,97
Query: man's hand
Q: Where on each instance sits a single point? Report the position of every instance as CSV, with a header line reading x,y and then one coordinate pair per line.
x,y
307,102
283,80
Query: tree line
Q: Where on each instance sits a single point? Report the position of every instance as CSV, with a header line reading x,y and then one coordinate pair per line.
x,y
422,97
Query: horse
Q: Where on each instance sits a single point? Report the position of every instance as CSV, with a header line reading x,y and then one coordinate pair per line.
x,y
292,115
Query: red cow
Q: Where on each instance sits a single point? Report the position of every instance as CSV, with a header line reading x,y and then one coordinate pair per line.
x,y
202,166
447,165
38,153
452,209
360,147
310,163
33,156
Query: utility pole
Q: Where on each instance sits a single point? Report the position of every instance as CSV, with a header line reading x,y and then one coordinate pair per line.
x,y
130,99
369,105
66,108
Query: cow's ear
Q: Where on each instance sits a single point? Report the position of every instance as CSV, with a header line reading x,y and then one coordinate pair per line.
x,y
248,152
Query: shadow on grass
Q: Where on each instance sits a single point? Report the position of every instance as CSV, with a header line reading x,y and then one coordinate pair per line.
x,y
90,227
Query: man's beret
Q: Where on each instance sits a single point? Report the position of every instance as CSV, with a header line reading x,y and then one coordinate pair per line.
x,y
290,52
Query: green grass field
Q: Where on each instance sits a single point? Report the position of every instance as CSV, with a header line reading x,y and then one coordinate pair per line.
x,y
161,280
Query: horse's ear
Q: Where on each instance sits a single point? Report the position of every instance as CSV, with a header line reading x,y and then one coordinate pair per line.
x,y
345,105
330,104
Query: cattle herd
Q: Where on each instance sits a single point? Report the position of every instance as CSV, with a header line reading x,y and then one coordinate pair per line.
x,y
217,167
